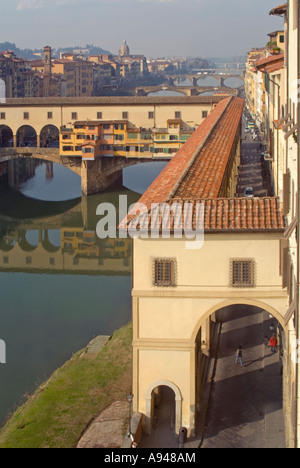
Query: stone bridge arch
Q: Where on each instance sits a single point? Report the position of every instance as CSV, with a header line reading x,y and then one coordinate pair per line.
x,y
240,78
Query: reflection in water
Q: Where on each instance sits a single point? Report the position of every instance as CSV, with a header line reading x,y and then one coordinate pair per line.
x,y
79,286
28,243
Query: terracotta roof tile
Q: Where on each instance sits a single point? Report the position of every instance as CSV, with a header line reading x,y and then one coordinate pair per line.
x,y
194,177
279,10
269,60
220,214
197,170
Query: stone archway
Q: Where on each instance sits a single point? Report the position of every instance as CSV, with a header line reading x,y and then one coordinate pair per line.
x,y
49,137
150,405
6,137
233,302
26,137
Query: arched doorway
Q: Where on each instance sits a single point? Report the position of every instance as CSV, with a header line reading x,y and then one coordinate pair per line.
x,y
49,137
163,408
26,137
6,137
247,395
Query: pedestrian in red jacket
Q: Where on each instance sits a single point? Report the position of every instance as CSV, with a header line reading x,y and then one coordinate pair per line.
x,y
273,344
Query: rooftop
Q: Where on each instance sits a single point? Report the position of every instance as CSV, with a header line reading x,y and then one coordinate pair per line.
x,y
279,10
195,176
219,215
197,170
272,59
108,100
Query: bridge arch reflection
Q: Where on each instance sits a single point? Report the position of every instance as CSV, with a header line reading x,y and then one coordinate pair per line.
x,y
60,237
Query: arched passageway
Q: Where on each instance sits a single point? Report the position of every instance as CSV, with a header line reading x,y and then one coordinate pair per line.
x,y
49,137
6,137
246,408
26,137
164,403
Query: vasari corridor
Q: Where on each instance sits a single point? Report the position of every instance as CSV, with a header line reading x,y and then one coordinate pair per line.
x,y
149,227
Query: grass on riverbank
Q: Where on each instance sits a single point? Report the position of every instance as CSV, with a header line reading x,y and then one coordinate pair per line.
x,y
60,410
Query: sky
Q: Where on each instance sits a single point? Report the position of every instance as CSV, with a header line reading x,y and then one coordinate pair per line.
x,y
155,28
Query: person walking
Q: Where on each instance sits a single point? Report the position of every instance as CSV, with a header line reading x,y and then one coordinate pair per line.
x,y
273,344
239,357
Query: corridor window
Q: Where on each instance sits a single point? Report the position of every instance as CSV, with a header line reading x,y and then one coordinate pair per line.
x,y
242,273
164,273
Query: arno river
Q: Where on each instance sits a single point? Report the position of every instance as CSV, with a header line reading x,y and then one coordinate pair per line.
x,y
60,284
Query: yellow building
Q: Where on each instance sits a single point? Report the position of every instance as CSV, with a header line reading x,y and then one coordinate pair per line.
x,y
92,139
277,42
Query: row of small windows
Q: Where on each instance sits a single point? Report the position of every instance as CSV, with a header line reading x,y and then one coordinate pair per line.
x,y
137,149
242,273
74,115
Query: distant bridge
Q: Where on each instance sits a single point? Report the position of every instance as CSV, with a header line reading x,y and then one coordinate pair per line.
x,y
194,78
186,90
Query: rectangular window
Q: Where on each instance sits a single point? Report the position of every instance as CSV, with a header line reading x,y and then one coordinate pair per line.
x,y
2,116
150,115
204,114
26,115
50,115
164,274
177,115
242,273
88,150
99,115
74,116
125,115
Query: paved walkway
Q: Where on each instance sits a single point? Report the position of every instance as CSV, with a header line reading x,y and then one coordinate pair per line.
x,y
254,171
246,405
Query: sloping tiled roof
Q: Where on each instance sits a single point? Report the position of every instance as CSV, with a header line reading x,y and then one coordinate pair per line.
x,y
219,215
195,175
269,60
197,170
274,67
280,10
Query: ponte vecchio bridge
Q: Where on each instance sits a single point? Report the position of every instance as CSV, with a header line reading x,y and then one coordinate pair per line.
x,y
27,127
